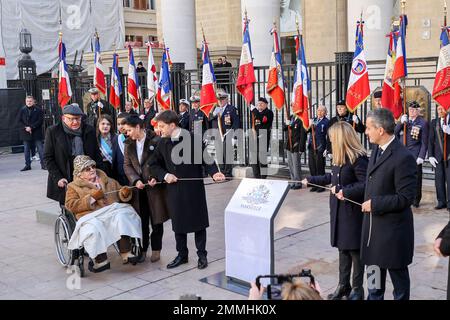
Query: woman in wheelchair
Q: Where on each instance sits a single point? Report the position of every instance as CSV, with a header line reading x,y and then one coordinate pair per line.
x,y
103,217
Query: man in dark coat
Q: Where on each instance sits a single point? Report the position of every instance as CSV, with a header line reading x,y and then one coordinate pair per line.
x,y
148,114
442,248
186,198
63,142
262,120
416,141
183,117
387,242
97,107
317,144
439,142
31,118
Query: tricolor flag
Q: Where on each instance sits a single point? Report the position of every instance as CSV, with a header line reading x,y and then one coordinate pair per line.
x,y
99,74
400,67
441,91
116,86
391,97
275,83
152,79
208,98
64,88
358,90
246,77
164,95
302,85
133,81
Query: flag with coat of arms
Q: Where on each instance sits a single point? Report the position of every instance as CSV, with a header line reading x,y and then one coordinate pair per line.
x,y
133,81
152,79
164,95
246,77
441,90
275,83
208,98
302,85
115,89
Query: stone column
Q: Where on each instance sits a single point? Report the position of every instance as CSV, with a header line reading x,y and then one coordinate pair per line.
x,y
377,15
261,14
178,30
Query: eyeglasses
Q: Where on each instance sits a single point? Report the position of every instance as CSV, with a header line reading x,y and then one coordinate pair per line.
x,y
72,120
89,168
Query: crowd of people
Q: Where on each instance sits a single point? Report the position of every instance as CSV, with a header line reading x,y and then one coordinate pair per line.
x,y
93,154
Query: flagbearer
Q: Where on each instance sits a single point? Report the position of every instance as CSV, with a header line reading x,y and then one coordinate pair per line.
x,y
198,123
439,155
97,107
417,130
184,114
227,121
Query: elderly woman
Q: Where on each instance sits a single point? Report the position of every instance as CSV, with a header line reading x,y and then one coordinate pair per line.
x,y
102,220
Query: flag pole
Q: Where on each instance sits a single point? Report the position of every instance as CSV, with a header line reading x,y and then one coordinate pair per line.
x,y
403,4
360,27
445,121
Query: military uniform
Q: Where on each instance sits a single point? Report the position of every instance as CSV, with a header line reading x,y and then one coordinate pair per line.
x,y
317,147
417,143
262,126
198,121
92,112
184,121
359,127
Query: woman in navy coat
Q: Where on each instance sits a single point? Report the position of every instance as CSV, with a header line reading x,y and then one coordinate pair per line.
x,y
347,179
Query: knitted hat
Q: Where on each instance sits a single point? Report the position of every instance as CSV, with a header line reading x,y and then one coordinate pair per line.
x,y
80,163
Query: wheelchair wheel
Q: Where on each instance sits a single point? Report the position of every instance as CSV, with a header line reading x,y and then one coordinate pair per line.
x,y
62,237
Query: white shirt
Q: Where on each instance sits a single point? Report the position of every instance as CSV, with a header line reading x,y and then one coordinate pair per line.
x,y
442,122
140,147
385,146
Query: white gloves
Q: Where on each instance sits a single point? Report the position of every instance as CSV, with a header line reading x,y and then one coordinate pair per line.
x,y
100,105
355,119
142,117
419,161
433,161
446,129
325,153
252,107
404,119
311,122
288,123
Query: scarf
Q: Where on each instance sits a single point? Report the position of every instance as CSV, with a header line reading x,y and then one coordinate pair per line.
x,y
76,140
106,150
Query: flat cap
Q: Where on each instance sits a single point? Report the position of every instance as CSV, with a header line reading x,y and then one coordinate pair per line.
x,y
377,94
414,104
72,109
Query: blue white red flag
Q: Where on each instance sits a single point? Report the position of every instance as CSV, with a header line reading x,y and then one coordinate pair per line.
x,y
133,81
208,98
64,88
164,95
246,77
441,91
115,89
302,85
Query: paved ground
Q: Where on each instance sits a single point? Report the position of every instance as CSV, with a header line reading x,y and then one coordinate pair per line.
x,y
29,269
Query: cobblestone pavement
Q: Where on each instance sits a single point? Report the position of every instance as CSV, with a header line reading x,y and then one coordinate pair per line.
x,y
29,268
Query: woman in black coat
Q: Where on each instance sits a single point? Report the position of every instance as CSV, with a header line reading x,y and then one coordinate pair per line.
x,y
442,248
347,179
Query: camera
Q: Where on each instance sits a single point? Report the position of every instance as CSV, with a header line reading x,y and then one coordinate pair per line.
x,y
277,281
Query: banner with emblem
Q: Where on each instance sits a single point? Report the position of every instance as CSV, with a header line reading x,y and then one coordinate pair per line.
x,y
64,88
99,73
152,79
275,83
133,81
246,77
208,98
302,85
441,90
164,95
115,89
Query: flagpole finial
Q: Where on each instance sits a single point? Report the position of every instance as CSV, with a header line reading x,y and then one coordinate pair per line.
x,y
403,3
60,34
297,23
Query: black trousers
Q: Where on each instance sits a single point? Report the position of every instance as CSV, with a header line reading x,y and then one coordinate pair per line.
x,y
228,159
261,165
157,229
441,184
200,244
316,162
400,280
347,258
419,185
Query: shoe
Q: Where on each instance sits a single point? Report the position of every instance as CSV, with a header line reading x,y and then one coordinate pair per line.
x,y
313,189
341,292
129,258
156,256
43,167
440,206
202,263
296,187
26,168
320,190
99,267
356,294
142,257
178,261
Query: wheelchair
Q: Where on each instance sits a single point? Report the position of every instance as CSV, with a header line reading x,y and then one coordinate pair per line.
x,y
64,228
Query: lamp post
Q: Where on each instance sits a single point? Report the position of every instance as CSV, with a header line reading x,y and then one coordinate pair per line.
x,y
27,66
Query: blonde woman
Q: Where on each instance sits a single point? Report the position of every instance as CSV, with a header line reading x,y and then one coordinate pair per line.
x,y
348,176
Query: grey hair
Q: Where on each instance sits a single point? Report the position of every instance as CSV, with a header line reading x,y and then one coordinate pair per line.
x,y
383,118
324,108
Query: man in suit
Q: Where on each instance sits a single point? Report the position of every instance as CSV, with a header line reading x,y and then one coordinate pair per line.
x,y
31,119
416,141
63,142
184,114
317,144
439,142
148,114
387,241
186,196
262,120
227,123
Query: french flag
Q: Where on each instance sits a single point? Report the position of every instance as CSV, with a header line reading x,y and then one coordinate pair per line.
x,y
302,85
116,86
152,80
400,67
358,90
64,88
133,81
441,90
99,74
246,77
164,95
208,98
391,95
275,83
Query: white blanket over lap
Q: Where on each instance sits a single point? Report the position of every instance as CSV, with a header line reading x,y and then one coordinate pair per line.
x,y
102,228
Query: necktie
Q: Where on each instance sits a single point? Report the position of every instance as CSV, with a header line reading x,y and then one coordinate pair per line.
x,y
379,154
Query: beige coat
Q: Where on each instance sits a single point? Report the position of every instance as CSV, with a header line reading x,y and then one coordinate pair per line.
x,y
79,200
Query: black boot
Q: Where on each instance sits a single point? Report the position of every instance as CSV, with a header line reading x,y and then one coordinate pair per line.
x,y
341,292
356,294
